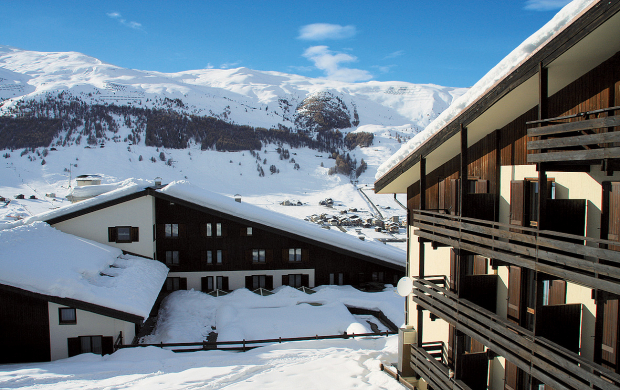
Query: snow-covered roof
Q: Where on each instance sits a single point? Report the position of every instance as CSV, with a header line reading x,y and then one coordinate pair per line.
x,y
199,196
184,190
504,68
41,259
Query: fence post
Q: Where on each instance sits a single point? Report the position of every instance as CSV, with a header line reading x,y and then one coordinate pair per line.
x,y
345,335
280,339
243,345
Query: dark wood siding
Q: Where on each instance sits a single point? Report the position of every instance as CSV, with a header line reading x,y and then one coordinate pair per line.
x,y
608,315
237,247
514,294
24,329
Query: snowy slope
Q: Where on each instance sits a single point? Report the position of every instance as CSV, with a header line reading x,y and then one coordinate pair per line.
x,y
242,96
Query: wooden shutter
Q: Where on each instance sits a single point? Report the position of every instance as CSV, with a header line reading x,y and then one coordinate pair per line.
x,y
107,345
243,232
451,345
480,265
285,280
482,186
453,270
135,236
182,230
305,255
225,283
518,195
441,195
454,196
614,215
269,282
203,229
557,292
609,341
305,280
511,377
111,234
514,294
269,255
182,283
248,283
74,346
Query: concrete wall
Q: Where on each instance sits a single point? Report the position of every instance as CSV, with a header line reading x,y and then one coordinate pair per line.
x,y
88,324
137,213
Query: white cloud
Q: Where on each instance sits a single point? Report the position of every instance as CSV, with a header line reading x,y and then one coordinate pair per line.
x,y
228,65
545,5
320,31
124,22
395,54
330,63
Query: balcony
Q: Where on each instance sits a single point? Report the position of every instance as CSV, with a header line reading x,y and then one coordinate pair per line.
x,y
433,368
588,141
545,360
579,259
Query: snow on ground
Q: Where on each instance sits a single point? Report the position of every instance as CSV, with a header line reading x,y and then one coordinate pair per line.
x,y
324,364
495,75
66,266
189,316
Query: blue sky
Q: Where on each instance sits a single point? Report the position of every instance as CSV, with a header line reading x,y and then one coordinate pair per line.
x,y
450,43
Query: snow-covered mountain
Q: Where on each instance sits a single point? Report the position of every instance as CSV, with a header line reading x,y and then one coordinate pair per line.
x,y
241,95
66,114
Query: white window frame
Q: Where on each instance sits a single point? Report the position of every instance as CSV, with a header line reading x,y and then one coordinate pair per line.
x,y
171,230
294,254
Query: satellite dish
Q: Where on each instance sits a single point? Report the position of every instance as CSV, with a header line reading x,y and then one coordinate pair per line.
x,y
404,286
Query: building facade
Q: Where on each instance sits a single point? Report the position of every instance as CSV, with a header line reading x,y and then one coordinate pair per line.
x,y
514,215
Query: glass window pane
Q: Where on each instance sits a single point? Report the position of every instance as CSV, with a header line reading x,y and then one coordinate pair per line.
x,y
220,282
291,254
168,228
261,255
254,255
175,230
209,257
209,231
96,344
210,283
85,344
262,280
249,231
219,257
219,229
123,234
67,315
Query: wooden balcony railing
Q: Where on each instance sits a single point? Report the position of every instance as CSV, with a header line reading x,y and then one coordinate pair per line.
x,y
537,356
578,259
587,140
435,372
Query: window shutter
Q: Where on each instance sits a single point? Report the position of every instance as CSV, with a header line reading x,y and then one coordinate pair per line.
x,y
284,254
111,234
305,255
248,283
514,294
305,280
453,273
182,283
269,282
454,196
518,194
285,280
557,292
182,230
203,229
511,375
269,255
482,186
135,234
225,283
243,232
107,345
609,340
441,195
614,215
480,265
451,346
74,346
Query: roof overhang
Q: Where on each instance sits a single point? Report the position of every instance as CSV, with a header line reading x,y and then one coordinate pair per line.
x,y
578,48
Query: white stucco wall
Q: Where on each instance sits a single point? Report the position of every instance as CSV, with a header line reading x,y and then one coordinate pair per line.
x,y
88,324
136,213
580,294
236,279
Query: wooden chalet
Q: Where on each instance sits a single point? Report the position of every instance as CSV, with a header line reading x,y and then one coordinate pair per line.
x,y
514,225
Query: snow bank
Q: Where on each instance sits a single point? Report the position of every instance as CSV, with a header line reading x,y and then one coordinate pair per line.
x,y
189,316
501,70
41,259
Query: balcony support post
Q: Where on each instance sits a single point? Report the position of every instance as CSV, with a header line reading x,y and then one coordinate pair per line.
x,y
542,196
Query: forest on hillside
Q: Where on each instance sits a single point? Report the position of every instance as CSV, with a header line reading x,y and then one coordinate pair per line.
x,y
64,120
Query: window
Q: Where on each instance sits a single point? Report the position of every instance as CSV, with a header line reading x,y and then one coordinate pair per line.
x,y
91,344
208,230
222,282
377,277
209,257
173,284
258,255
249,231
294,254
66,316
172,257
171,230
339,281
294,280
259,281
219,257
218,229
207,284
121,234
